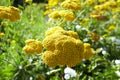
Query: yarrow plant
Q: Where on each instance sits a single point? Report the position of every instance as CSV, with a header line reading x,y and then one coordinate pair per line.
x,y
82,41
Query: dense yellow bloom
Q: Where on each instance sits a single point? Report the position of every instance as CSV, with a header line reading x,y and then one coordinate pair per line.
x,y
88,51
1,34
28,1
32,46
71,4
68,15
116,10
52,30
62,49
10,13
118,1
52,3
110,28
101,7
55,14
101,1
111,4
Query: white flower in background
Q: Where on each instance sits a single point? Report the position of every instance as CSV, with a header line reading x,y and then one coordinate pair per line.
x,y
85,40
77,26
20,67
118,73
69,72
104,52
30,60
117,61
67,76
101,38
31,78
113,39
118,41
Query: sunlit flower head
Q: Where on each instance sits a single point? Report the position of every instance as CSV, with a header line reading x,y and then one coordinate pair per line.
x,y
1,34
71,4
32,46
10,13
88,51
68,15
63,48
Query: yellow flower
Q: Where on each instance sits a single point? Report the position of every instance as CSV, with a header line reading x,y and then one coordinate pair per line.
x,y
1,34
68,15
118,1
52,30
10,13
55,14
71,4
102,1
28,1
101,7
116,10
111,4
32,46
62,49
110,28
88,51
52,3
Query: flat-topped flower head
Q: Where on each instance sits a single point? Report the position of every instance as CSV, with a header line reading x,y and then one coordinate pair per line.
x,y
64,48
32,46
71,4
10,13
88,51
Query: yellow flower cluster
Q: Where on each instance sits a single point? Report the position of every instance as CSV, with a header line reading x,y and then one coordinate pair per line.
x,y
106,6
110,28
71,4
52,30
32,46
1,34
63,48
89,2
10,13
66,14
88,51
52,3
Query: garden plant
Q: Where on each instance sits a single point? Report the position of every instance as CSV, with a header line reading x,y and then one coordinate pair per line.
x,y
60,40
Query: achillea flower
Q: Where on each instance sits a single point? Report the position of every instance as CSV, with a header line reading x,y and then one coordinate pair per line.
x,y
62,49
111,4
101,7
110,28
68,15
1,34
10,13
55,14
32,46
71,4
102,1
52,30
88,51
52,3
